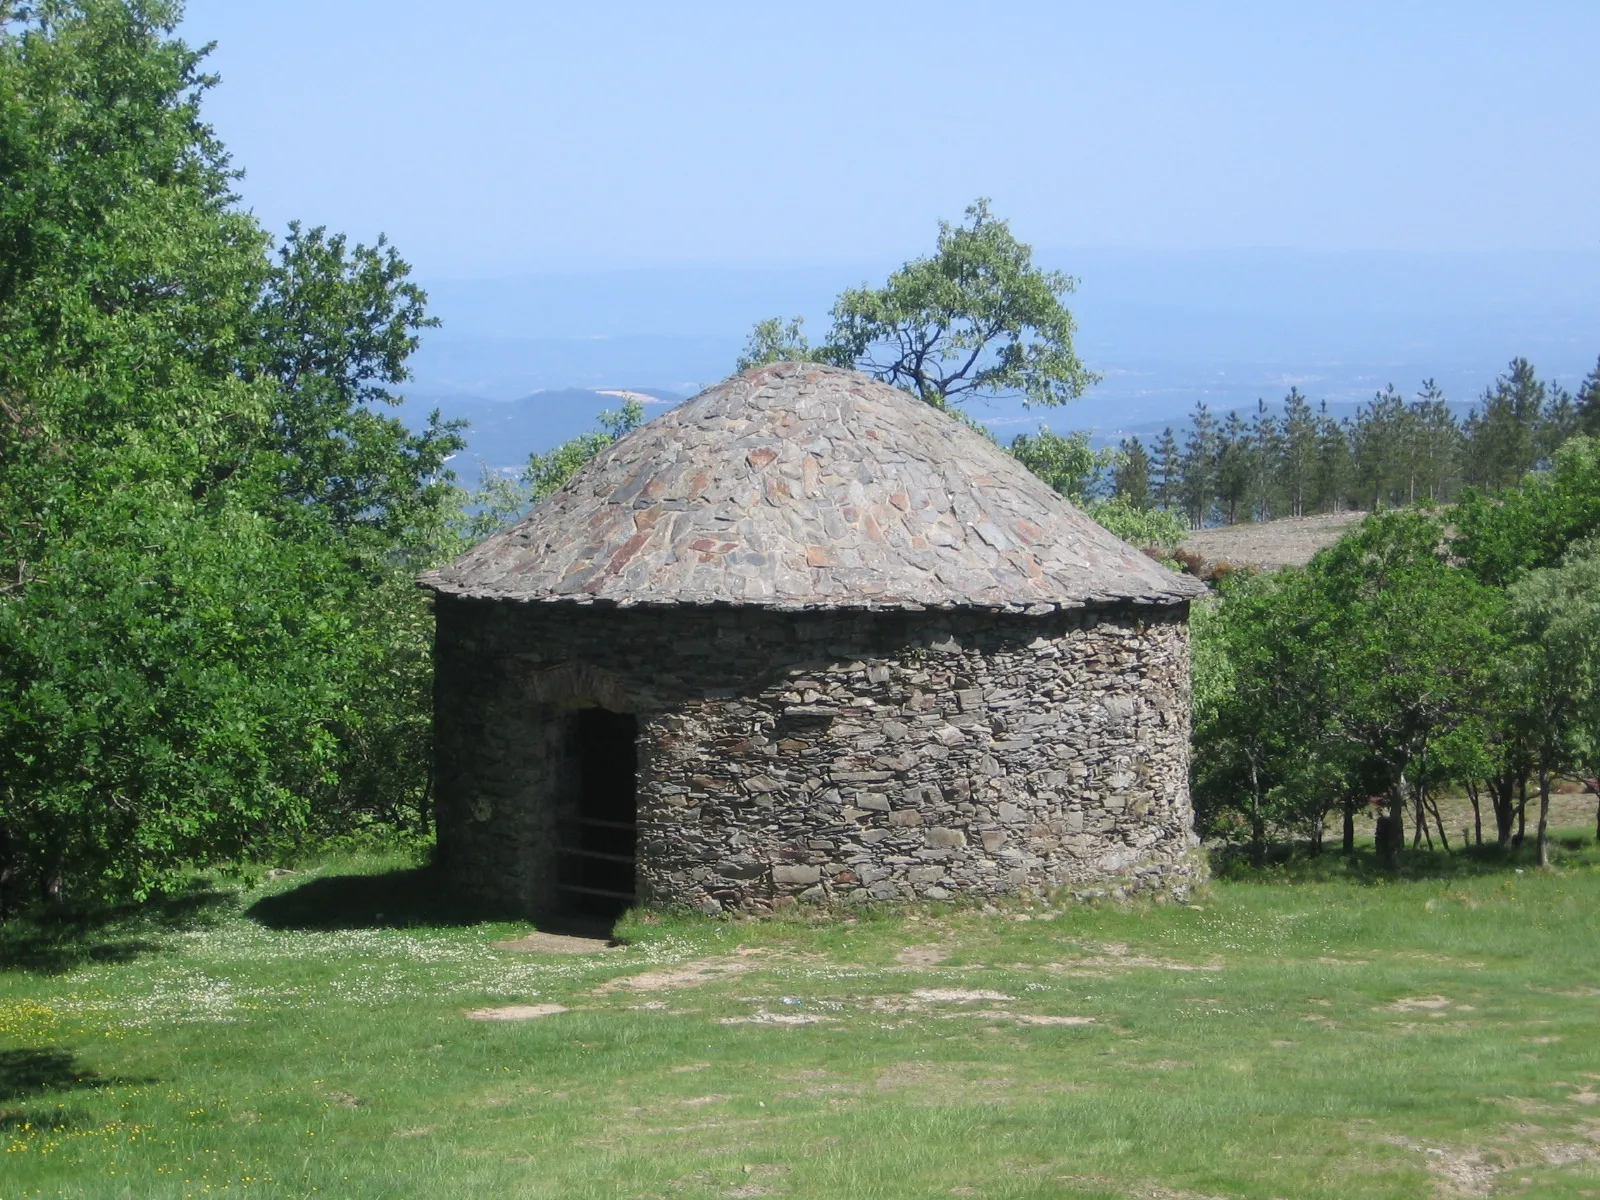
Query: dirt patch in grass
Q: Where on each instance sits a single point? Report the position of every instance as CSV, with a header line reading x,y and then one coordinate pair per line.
x,y
922,956
924,1000
911,1074
1116,956
1157,1191
771,1018
1455,1172
556,943
515,1012
1566,1154
686,975
956,995
1420,1004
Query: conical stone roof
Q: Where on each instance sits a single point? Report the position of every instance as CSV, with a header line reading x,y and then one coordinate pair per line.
x,y
801,486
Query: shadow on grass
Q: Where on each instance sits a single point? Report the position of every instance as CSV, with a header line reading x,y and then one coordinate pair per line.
x,y
49,941
25,1073
1296,864
31,1073
399,899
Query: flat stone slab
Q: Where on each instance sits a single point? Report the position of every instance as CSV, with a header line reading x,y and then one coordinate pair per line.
x,y
556,943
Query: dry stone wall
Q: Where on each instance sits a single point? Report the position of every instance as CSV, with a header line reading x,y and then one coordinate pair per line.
x,y
828,757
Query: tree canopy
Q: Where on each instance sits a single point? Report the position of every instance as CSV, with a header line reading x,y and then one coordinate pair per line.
x,y
209,643
977,316
1421,651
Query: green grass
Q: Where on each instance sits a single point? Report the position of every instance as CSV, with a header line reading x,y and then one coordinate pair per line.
x,y
1335,1034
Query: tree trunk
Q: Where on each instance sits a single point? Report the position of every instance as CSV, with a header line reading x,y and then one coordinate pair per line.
x,y
1420,816
1477,814
1438,821
8,872
1522,810
52,888
1391,831
1505,810
1350,824
1544,817
1258,824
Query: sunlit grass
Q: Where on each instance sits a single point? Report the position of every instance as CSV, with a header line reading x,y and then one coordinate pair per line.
x,y
1338,1033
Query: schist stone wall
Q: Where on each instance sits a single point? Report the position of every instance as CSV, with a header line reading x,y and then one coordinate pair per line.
x,y
833,756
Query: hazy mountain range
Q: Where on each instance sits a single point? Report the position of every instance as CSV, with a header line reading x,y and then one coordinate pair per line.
x,y
525,359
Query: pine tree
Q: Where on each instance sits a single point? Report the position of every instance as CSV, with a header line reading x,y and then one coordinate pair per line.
x,y
1299,451
1234,454
1131,475
1198,466
1557,423
1438,445
1168,471
1331,475
1588,403
1378,450
1266,464
1503,433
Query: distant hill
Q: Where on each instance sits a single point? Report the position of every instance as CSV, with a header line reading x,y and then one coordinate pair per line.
x,y
502,433
1164,328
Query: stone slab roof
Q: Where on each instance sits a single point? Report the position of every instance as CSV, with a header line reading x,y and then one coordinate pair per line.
x,y
801,486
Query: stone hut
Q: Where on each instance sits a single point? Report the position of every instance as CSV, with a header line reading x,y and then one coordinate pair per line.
x,y
807,638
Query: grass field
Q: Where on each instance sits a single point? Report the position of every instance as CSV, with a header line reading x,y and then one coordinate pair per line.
x,y
1318,1030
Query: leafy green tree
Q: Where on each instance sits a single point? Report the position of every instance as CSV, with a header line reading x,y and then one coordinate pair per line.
x,y
1532,526
777,340
1153,530
1258,660
1553,669
167,698
547,473
209,641
334,328
976,317
1413,638
1068,464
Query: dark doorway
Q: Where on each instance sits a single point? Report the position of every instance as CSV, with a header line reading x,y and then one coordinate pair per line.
x,y
595,868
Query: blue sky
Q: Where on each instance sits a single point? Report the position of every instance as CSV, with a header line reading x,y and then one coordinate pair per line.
x,y
500,137
1255,196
